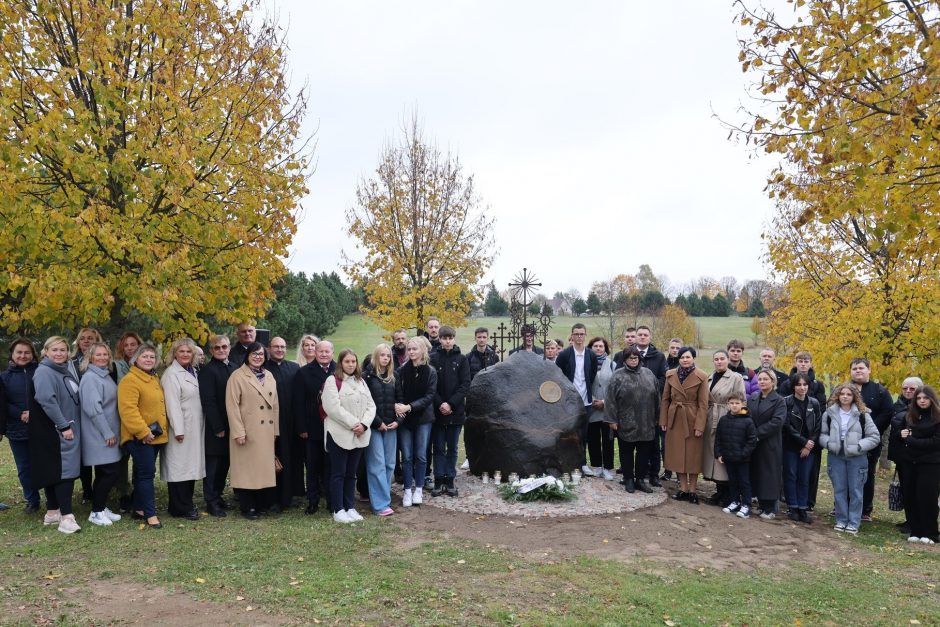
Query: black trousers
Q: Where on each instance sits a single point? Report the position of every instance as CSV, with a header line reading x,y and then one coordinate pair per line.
x,y
214,483
181,497
656,452
343,466
59,496
600,445
814,476
641,451
258,500
86,479
318,468
920,491
106,476
868,494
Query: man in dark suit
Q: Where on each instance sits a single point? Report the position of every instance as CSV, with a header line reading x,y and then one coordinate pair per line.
x,y
213,378
305,398
246,335
289,448
579,364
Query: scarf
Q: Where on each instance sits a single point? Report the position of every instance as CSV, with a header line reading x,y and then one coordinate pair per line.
x,y
683,373
259,374
600,361
715,379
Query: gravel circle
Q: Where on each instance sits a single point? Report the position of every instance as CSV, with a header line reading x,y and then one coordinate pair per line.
x,y
595,496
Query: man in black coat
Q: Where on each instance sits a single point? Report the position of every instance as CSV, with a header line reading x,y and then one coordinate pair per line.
x,y
579,364
305,398
453,380
528,341
246,334
482,355
768,359
288,447
881,407
213,378
399,353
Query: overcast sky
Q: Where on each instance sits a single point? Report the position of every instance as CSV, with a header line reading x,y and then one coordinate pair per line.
x,y
589,127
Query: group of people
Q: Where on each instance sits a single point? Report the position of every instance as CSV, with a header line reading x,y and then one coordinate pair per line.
x,y
278,429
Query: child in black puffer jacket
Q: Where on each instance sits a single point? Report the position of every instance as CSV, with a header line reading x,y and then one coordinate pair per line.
x,y
735,440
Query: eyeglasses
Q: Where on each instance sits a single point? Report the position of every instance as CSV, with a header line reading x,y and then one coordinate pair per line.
x,y
220,347
257,354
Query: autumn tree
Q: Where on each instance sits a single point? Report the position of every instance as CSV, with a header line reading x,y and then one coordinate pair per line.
x,y
671,322
848,100
149,161
425,237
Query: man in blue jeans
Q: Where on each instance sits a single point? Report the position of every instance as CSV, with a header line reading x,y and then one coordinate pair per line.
x,y
453,380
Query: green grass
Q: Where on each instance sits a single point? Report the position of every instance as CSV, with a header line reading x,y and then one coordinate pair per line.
x,y
309,569
361,335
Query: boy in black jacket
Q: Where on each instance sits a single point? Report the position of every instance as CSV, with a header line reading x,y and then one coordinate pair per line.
x,y
453,380
735,440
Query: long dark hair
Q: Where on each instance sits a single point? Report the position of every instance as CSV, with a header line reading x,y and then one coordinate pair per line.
x,y
913,412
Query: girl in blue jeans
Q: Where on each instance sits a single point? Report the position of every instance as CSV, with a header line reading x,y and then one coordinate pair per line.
x,y
848,433
415,385
379,375
800,438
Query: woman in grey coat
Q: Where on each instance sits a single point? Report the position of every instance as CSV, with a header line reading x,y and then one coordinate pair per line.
x,y
54,433
631,410
600,442
101,427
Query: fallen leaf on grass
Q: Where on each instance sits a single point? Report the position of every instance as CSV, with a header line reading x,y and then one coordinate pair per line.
x,y
461,561
249,609
52,576
141,526
293,583
914,621
239,598
606,540
300,559
200,580
669,623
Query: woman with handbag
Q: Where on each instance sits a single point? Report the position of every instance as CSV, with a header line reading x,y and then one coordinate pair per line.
x,y
254,423
143,428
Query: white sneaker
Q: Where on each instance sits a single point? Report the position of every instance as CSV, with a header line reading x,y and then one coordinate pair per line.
x,y
913,539
406,498
587,471
418,497
465,465
342,517
732,507
353,515
53,517
111,515
608,474
99,518
68,524
927,541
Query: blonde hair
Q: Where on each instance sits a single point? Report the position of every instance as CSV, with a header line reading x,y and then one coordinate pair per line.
x,y
175,346
52,341
856,397
98,338
86,358
422,344
300,348
388,375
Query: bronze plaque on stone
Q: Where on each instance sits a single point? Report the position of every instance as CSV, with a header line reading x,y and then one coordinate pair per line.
x,y
550,392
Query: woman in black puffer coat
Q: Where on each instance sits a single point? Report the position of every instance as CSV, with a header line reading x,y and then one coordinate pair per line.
x,y
895,444
921,461
380,456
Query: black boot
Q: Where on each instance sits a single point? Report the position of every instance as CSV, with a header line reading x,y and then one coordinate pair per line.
x,y
654,481
628,484
438,488
642,486
449,488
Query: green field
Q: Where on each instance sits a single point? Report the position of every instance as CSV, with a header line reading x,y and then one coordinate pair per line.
x,y
361,335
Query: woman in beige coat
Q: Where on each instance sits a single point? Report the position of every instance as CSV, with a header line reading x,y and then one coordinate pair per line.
x,y
183,461
682,416
349,409
722,384
253,417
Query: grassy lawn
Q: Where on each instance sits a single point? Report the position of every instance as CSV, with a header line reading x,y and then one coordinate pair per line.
x,y
308,569
358,333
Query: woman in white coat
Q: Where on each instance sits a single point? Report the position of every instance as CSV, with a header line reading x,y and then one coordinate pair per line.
x,y
721,385
184,459
349,409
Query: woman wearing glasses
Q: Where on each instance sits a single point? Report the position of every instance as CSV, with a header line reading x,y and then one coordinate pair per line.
x,y
54,433
253,416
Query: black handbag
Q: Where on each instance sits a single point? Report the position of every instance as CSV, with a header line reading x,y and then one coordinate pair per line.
x,y
895,498
155,429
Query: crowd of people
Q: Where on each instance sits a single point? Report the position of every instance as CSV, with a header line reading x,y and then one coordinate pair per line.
x,y
319,428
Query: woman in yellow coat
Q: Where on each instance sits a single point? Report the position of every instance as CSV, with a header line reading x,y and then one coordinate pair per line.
x,y
683,415
144,427
253,418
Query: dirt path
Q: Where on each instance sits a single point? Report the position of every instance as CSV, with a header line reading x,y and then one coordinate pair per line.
x,y
674,533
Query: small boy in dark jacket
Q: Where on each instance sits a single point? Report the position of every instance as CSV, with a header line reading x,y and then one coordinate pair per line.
x,y
735,440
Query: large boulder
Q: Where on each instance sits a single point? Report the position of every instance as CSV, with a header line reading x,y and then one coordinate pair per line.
x,y
511,426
